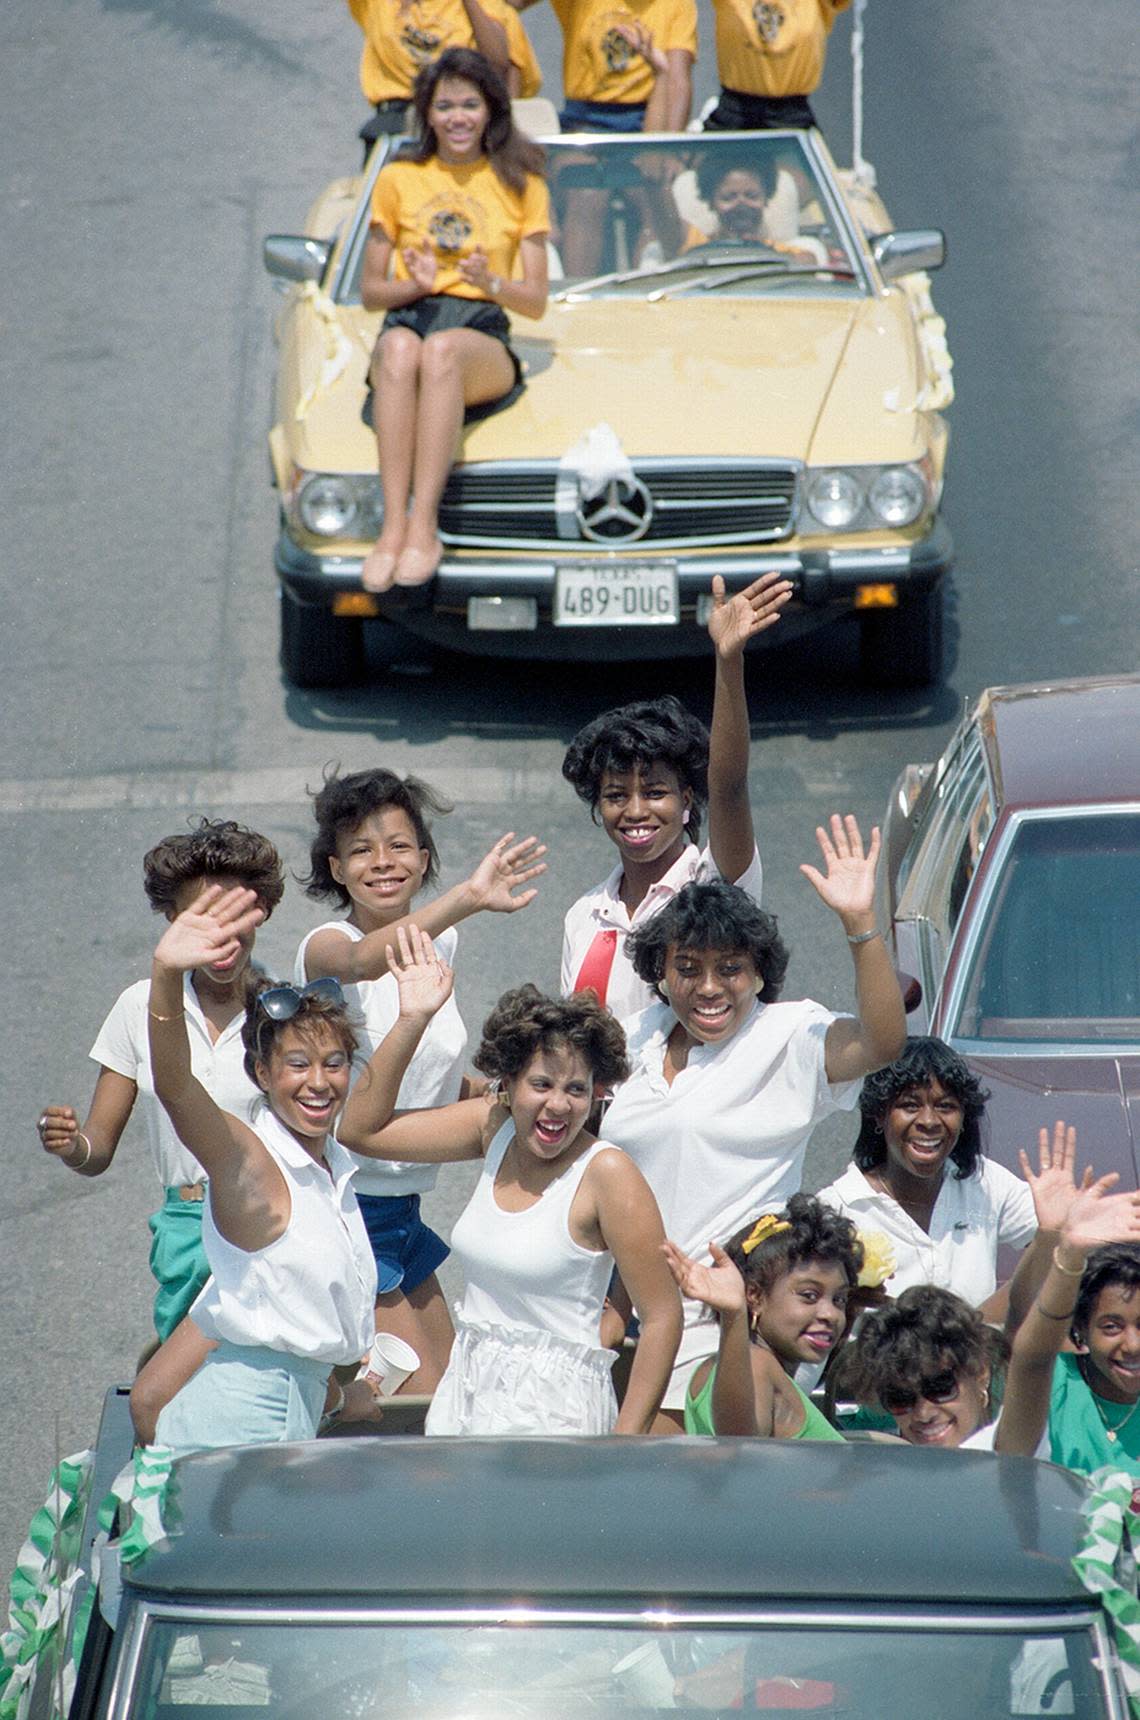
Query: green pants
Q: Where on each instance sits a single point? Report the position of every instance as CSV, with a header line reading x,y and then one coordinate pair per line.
x,y
176,1259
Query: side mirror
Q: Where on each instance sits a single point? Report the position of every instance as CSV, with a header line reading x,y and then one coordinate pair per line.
x,y
905,253
911,991
292,257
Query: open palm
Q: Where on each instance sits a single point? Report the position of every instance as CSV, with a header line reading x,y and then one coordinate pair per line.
x,y
210,930
425,982
718,1286
735,620
848,885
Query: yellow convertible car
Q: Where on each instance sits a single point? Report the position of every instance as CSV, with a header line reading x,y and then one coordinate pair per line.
x,y
739,370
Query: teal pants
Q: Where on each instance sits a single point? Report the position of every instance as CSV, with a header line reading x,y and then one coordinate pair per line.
x,y
176,1260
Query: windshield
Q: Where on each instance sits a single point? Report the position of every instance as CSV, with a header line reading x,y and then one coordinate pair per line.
x,y
1056,955
710,216
576,1672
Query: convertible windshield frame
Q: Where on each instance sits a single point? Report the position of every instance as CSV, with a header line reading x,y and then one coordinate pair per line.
x,y
347,261
980,930
1050,1620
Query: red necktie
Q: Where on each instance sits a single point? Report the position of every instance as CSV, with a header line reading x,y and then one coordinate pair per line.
x,y
594,973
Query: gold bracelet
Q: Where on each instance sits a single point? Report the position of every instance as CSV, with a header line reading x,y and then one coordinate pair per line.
x,y
1068,1271
154,1015
1050,1316
82,1137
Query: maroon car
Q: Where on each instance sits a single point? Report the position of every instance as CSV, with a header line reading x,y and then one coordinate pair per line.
x,y
1013,890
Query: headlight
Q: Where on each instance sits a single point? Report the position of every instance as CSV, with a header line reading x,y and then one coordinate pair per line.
x,y
330,506
865,498
834,498
898,495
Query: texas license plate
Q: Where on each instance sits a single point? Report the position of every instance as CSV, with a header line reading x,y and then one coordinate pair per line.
x,y
642,594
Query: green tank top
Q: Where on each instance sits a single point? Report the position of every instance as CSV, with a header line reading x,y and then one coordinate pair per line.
x,y
1078,1437
699,1418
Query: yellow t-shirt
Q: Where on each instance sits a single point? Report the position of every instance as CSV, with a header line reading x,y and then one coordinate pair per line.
x,y
400,36
598,64
773,47
457,210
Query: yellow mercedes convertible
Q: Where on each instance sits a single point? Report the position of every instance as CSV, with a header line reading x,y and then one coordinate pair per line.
x,y
740,370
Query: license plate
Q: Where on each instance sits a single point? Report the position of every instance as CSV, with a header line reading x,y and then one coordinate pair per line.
x,y
640,595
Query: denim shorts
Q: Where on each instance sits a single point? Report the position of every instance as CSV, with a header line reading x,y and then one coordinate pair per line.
x,y
602,116
406,1249
245,1395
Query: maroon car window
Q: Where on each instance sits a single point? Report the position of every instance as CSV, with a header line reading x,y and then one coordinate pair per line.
x,y
1056,956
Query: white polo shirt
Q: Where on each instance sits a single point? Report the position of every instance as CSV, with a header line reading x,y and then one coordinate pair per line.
x,y
726,1141
973,1217
123,1045
434,1075
602,909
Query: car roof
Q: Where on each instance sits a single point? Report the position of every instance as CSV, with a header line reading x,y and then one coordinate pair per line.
x,y
672,1519
1063,742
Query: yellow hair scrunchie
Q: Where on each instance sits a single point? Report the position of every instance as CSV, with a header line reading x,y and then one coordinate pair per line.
x,y
768,1224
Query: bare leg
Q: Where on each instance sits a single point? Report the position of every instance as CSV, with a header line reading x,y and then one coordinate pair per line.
x,y
167,1371
458,367
584,231
422,1320
395,382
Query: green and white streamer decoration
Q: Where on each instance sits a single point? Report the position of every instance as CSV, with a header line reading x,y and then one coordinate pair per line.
x,y
1106,1565
41,1590
41,1629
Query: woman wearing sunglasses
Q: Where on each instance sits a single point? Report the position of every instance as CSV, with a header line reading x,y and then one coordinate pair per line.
x,y
293,1279
930,1361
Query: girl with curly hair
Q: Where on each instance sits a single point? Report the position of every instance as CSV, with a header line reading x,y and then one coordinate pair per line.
x,y
779,1287
175,872
374,854
919,1173
553,1211
728,1083
647,772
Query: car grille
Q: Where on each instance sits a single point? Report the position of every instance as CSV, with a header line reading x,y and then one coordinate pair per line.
x,y
713,502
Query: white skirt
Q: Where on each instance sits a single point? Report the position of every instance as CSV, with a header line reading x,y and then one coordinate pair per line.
x,y
501,1380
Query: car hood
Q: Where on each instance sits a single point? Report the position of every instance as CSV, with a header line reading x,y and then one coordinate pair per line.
x,y
685,378
1098,1095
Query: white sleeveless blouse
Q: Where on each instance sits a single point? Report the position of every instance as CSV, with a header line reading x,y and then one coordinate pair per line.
x,y
312,1292
524,1271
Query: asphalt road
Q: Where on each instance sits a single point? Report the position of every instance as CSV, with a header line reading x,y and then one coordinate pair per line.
x,y
148,145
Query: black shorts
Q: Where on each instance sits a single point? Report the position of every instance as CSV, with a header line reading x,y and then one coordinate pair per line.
x,y
437,312
737,111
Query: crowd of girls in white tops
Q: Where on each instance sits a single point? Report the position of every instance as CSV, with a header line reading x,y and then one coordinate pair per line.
x,y
295,1128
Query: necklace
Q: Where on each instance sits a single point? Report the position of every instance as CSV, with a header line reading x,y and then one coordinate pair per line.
x,y
1112,1433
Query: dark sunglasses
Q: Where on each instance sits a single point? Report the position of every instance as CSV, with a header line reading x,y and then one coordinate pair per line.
x,y
281,1002
940,1388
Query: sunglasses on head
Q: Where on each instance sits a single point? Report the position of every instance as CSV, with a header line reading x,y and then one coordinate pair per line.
x,y
939,1388
281,1002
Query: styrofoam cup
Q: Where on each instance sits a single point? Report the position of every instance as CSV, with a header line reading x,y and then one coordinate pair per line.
x,y
645,1676
390,1362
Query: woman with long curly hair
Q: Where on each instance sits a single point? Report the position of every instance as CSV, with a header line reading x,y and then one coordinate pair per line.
x,y
458,239
552,1213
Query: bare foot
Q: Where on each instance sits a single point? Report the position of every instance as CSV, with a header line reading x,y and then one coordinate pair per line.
x,y
417,565
379,567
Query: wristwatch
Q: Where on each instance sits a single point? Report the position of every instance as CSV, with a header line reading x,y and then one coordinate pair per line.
x,y
494,285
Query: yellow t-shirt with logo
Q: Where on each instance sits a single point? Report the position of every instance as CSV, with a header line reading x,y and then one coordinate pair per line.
x,y
773,47
400,36
457,210
598,64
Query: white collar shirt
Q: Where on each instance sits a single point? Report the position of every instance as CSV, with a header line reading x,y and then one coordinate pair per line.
x,y
602,909
972,1218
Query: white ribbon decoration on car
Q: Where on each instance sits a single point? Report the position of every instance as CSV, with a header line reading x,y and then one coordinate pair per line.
x,y
338,347
596,459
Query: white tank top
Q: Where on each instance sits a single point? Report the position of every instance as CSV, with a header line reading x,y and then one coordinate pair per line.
x,y
523,1269
434,1075
310,1293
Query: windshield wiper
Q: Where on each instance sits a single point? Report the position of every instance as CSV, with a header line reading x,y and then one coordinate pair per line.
x,y
678,266
783,271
